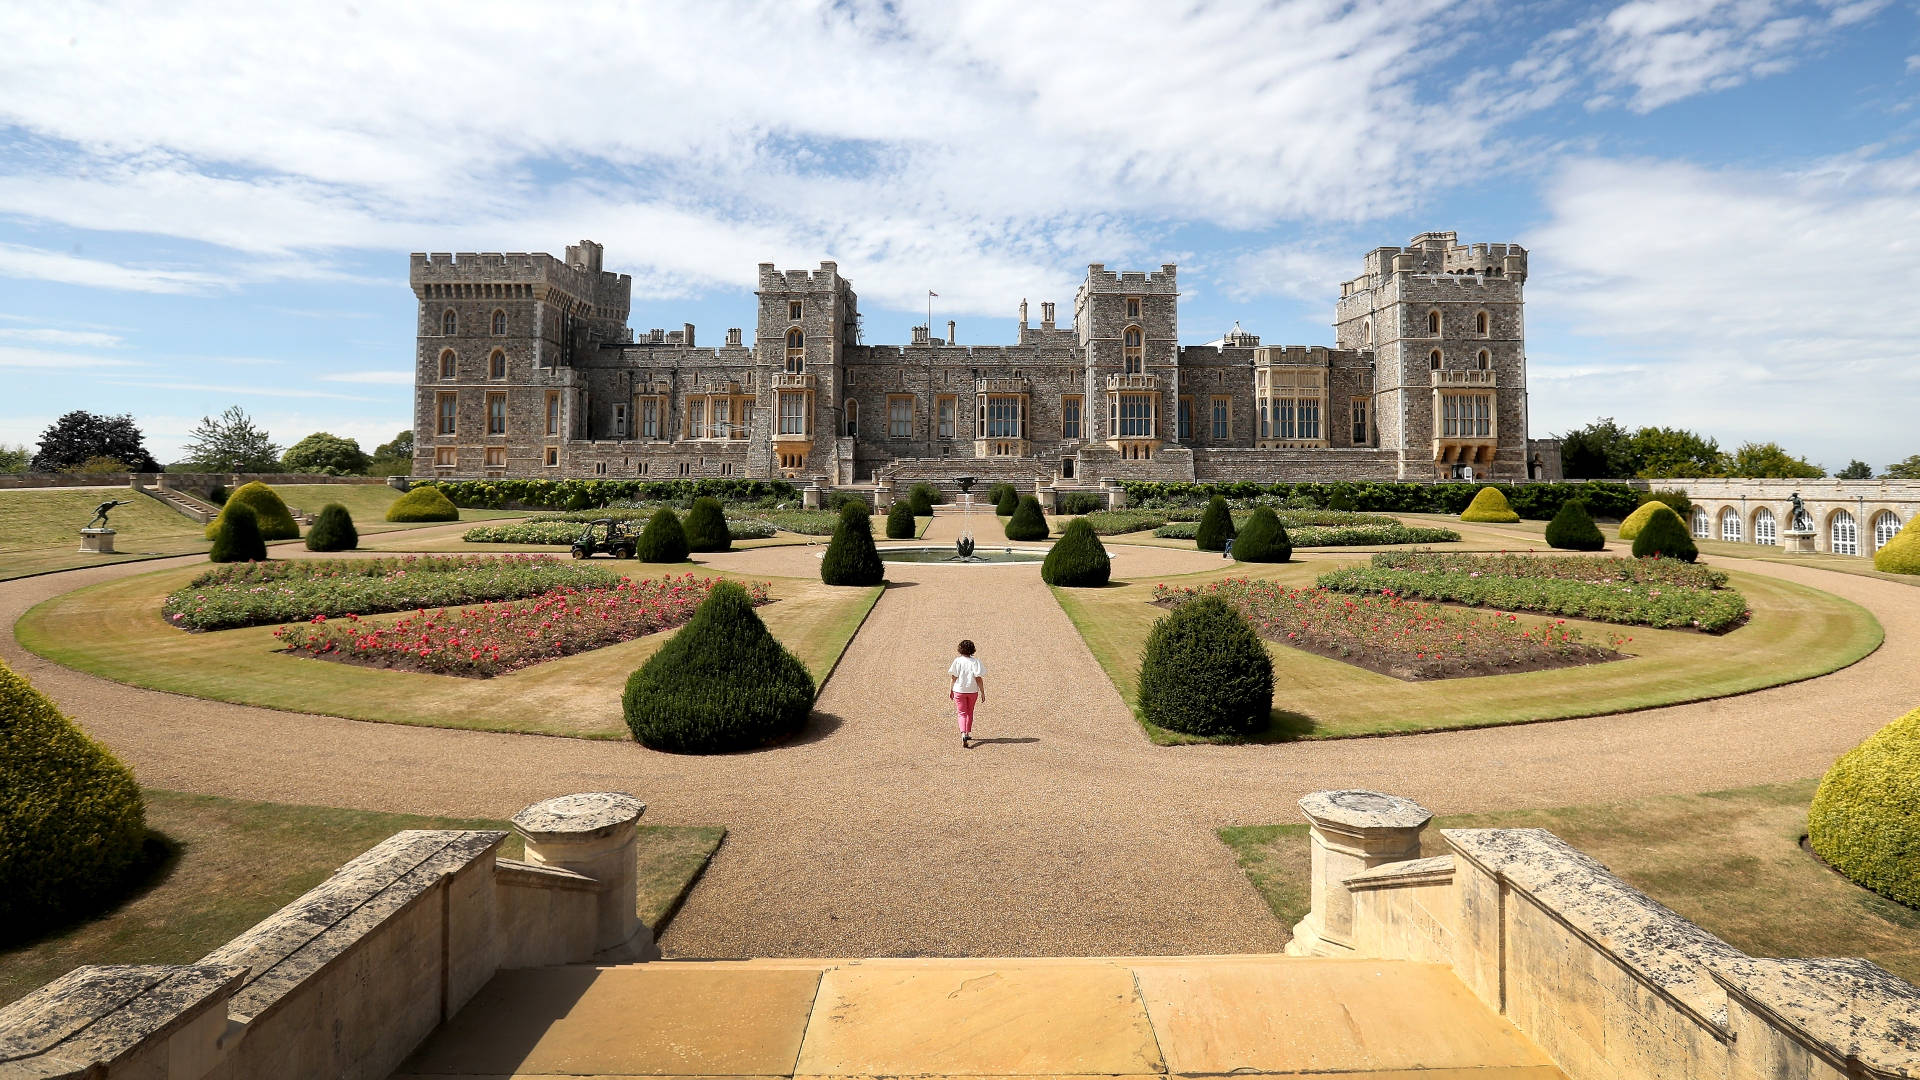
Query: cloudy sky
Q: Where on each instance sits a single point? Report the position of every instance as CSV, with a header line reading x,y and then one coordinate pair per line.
x,y
204,204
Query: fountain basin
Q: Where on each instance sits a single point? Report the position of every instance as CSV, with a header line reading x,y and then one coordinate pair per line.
x,y
981,554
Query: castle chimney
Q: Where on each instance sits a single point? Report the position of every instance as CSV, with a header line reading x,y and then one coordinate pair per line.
x,y
733,335
1023,314
1046,314
688,339
919,335
949,331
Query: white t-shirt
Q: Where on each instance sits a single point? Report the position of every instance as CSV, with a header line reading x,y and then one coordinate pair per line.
x,y
966,672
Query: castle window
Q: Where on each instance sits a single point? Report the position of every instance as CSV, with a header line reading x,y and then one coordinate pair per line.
x,y
1366,334
1730,525
1136,416
1133,307
686,468
1132,351
1003,416
649,418
449,323
697,418
497,365
1222,418
1070,417
853,419
446,457
496,457
1886,525
1266,426
1844,534
899,417
1481,324
553,413
496,414
947,410
1185,419
1486,360
793,310
599,468
1433,359
620,416
447,362
1765,528
1358,409
1433,323
796,351
499,324
793,412
1466,416
1702,524
446,405
722,418
553,457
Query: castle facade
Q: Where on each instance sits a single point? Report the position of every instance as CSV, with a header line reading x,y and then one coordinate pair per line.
x,y
526,367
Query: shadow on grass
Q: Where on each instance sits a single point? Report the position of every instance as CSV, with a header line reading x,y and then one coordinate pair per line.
x,y
159,857
1282,726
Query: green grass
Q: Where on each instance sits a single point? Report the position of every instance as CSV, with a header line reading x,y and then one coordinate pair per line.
x,y
1729,860
235,862
1796,633
114,630
40,530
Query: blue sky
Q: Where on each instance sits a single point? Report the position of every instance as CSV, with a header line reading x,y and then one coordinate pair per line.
x,y
208,204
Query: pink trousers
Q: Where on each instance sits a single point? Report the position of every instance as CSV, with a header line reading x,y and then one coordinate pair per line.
x,y
964,702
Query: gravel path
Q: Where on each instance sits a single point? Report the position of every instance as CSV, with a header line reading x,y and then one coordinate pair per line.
x,y
1066,833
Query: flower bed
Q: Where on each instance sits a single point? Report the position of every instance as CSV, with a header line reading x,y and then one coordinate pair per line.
x,y
804,522
1395,636
1115,522
253,594
1305,535
493,639
1633,592
562,531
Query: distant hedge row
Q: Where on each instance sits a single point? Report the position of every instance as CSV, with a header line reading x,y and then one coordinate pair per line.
x,y
1538,502
575,494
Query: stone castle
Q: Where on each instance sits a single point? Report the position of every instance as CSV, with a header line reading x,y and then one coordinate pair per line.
x,y
526,368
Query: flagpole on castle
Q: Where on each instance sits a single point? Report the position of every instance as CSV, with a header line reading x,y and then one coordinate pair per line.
x,y
930,295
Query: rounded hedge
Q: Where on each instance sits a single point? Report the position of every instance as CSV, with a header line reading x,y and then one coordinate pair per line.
x,y
270,512
1572,529
721,683
1027,522
900,522
1205,672
1489,505
1216,526
1081,502
333,530
238,538
72,822
1865,817
1665,536
1078,560
1630,527
422,504
921,497
1006,499
851,558
1902,553
706,526
1263,539
663,540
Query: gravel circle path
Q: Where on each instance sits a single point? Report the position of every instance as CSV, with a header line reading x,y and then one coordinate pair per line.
x,y
1065,833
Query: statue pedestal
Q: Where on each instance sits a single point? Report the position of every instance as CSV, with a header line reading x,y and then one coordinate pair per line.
x,y
96,542
1797,542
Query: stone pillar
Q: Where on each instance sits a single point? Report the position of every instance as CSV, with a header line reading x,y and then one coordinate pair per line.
x,y
594,835
1349,831
882,496
1046,496
812,495
1116,495
96,542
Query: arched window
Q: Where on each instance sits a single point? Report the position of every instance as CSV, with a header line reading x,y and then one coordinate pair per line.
x,y
1486,360
1481,324
1433,323
796,351
1730,525
499,324
446,364
497,365
1765,528
449,323
1702,527
1366,334
1843,534
1433,359
1133,351
853,419
1886,525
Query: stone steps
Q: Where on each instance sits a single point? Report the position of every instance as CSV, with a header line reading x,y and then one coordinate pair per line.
x,y
184,504
1109,1017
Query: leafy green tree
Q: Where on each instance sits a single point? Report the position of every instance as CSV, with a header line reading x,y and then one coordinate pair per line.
x,y
1661,452
1603,450
97,466
393,458
1855,470
323,452
231,442
14,458
79,435
1769,461
1903,470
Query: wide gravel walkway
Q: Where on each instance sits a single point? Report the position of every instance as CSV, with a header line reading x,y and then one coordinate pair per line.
x,y
1065,833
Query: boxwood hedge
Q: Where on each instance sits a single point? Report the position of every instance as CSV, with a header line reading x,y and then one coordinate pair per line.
x,y
1205,672
723,682
1865,817
270,512
1533,501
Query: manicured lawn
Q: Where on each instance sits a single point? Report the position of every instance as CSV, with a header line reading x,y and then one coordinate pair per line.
x,y
236,862
1796,633
1730,861
114,630
40,530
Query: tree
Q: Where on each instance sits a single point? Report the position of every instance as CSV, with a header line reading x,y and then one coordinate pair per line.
x,y
1855,470
393,458
1263,538
851,558
322,452
400,447
722,682
706,526
333,530
664,539
1078,560
1903,470
1216,526
1769,461
1665,536
1026,522
236,537
80,435
1572,529
1205,672
1661,452
1603,450
14,458
231,443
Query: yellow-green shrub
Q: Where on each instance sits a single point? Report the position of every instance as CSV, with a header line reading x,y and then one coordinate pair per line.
x,y
1630,528
72,823
1865,817
1489,505
276,521
423,504
1902,553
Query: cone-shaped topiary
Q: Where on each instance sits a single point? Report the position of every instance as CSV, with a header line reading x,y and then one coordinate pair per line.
x,y
723,682
238,539
72,823
1078,560
1634,522
706,526
270,513
1902,553
333,530
922,497
1263,538
1665,536
663,540
1865,817
1489,504
1216,526
1205,672
427,503
1006,499
1572,529
851,558
900,523
1027,522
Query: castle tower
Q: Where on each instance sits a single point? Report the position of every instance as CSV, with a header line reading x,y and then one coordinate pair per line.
x,y
1128,324
1445,323
806,319
494,386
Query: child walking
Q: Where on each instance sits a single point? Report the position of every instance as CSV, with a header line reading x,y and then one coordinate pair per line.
x,y
969,689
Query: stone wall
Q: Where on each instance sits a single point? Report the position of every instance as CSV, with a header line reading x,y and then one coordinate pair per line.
x,y
182,481
1872,508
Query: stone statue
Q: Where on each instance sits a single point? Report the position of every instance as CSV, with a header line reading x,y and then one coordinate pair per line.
x,y
100,513
1802,521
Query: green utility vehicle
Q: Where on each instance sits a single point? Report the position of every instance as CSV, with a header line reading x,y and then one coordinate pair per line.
x,y
610,535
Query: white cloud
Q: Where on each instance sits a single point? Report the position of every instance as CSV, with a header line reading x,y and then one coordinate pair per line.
x,y
378,378
19,261
240,391
50,336
18,357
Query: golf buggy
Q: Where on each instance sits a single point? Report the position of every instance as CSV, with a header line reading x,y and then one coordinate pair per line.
x,y
610,535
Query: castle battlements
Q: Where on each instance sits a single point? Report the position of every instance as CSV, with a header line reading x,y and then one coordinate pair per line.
x,y
774,279
1099,280
492,268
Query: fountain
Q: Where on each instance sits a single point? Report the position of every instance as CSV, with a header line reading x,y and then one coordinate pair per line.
x,y
963,547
